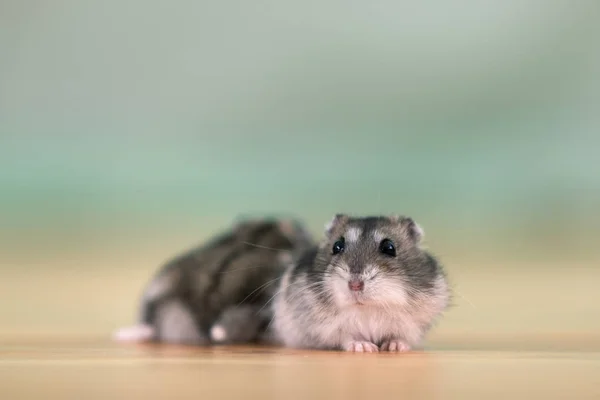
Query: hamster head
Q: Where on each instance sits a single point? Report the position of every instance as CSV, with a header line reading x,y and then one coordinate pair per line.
x,y
375,261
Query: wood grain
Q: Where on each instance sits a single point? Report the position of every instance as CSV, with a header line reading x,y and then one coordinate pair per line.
x,y
515,332
85,369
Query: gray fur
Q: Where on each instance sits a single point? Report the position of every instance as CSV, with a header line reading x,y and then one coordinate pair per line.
x,y
403,294
239,324
227,281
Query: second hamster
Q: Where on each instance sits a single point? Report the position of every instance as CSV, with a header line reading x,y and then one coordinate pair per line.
x,y
218,292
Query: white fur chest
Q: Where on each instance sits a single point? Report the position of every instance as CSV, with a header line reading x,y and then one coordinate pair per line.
x,y
369,323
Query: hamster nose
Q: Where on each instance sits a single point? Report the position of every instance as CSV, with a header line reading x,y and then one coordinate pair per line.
x,y
356,285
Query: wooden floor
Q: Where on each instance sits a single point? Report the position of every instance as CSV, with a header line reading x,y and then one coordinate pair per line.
x,y
96,369
516,332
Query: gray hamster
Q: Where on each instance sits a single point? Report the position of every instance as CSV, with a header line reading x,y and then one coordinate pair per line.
x,y
367,287
219,292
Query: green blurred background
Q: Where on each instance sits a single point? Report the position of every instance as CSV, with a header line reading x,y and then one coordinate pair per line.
x,y
131,130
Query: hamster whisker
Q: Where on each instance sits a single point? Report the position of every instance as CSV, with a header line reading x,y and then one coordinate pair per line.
x,y
302,289
261,288
263,247
241,269
267,303
286,287
464,298
270,322
319,273
273,297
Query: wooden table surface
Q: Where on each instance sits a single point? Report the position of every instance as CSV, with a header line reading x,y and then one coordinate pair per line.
x,y
96,369
516,332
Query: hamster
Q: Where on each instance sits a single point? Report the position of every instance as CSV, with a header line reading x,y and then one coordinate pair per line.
x,y
368,286
217,293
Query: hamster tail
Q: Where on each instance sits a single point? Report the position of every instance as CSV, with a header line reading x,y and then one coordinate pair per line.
x,y
135,333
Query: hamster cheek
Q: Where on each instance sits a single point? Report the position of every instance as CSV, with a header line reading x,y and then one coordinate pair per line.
x,y
390,291
339,289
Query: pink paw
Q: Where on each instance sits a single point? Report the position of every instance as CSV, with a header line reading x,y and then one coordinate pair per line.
x,y
361,347
395,346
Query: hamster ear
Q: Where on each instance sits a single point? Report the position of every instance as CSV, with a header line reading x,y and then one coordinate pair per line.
x,y
337,220
395,218
293,229
411,229
287,227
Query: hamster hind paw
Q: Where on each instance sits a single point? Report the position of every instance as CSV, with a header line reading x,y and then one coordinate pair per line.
x,y
395,346
218,333
360,347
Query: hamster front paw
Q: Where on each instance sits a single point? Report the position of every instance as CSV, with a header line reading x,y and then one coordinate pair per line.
x,y
360,347
395,346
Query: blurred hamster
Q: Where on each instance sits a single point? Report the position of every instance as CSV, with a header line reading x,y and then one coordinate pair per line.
x,y
367,287
218,292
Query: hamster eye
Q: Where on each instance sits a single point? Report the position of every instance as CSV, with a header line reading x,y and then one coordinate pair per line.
x,y
338,246
387,247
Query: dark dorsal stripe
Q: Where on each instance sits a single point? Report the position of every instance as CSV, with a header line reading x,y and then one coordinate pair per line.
x,y
242,249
